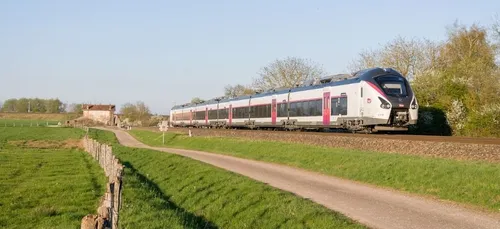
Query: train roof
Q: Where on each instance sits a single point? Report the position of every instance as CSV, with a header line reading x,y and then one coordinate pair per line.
x,y
327,81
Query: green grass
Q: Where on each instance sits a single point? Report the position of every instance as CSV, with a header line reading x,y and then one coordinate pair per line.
x,y
46,188
474,183
163,190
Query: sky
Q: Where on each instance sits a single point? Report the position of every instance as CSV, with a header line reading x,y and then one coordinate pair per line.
x,y
166,52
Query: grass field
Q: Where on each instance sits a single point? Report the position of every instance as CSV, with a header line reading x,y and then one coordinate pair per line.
x,y
46,181
163,190
26,123
474,183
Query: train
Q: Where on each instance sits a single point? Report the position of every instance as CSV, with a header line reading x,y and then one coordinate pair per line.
x,y
370,100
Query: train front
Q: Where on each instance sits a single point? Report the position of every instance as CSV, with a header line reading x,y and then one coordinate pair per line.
x,y
397,106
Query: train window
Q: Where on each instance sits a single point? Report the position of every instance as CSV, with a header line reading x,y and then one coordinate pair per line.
x,y
392,85
260,111
212,114
316,110
306,108
293,109
240,112
339,106
282,112
223,113
199,115
334,107
343,105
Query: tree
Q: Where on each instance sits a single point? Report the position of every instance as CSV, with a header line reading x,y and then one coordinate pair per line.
x,y
143,112
34,105
464,82
496,33
237,90
288,72
9,105
197,100
38,105
411,57
368,58
22,105
136,112
75,108
129,110
54,106
467,61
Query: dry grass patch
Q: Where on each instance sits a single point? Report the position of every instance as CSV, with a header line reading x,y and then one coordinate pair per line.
x,y
48,144
38,116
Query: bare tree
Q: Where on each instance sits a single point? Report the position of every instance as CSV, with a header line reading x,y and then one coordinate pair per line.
x,y
136,112
411,57
496,35
143,112
237,90
368,58
288,72
75,108
197,100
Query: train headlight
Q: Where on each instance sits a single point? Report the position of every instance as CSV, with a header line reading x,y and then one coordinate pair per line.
x,y
414,104
384,104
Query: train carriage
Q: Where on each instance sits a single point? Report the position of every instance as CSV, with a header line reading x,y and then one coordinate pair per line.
x,y
372,99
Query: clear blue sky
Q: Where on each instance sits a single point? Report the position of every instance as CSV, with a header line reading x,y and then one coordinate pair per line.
x,y
162,52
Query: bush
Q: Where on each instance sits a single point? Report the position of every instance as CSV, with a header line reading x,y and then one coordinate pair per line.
x,y
431,121
484,122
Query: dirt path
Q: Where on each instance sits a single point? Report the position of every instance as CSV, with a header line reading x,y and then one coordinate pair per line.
x,y
374,207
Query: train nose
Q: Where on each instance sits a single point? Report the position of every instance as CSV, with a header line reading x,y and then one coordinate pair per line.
x,y
400,116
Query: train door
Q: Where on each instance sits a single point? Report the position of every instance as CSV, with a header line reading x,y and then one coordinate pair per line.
x,y
230,113
274,112
206,115
326,108
190,117
249,110
217,112
361,101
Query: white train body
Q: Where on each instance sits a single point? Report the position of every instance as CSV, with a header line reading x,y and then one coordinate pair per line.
x,y
374,99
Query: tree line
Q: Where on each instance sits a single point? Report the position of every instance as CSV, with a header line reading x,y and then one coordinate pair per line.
x,y
456,81
33,105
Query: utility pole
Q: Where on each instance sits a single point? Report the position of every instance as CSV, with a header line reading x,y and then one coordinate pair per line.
x,y
29,106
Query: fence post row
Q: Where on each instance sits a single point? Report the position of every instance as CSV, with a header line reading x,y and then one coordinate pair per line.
x,y
109,207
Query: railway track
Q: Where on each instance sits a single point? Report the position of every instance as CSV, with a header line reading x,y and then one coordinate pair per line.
x,y
458,148
393,136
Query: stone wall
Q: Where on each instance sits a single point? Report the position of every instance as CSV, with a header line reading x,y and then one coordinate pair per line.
x,y
110,204
104,116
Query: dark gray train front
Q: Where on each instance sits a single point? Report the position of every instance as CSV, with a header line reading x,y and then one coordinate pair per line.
x,y
390,100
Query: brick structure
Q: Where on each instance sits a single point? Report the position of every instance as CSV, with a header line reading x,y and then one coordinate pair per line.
x,y
99,113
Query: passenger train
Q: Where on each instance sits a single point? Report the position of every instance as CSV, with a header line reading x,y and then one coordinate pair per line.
x,y
371,100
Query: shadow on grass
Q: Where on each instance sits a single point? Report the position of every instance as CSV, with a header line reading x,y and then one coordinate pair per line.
x,y
190,220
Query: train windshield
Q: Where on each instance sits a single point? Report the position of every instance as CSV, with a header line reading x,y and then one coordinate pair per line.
x,y
392,85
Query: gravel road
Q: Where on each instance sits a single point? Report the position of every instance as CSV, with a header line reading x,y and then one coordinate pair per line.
x,y
369,205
